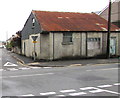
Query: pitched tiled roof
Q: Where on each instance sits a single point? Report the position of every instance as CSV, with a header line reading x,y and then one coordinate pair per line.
x,y
69,21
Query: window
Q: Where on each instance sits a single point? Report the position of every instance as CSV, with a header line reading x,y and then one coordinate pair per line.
x,y
67,38
33,22
93,43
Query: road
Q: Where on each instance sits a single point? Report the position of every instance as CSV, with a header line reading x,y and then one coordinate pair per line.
x,y
7,61
94,80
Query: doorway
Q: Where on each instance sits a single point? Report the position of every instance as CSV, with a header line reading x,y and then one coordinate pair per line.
x,y
113,46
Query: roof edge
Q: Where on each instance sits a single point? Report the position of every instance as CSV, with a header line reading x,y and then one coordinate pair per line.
x,y
60,11
79,31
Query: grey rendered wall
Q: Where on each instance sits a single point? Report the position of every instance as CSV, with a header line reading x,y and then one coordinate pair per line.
x,y
95,52
104,43
49,46
44,46
29,46
83,44
37,45
59,50
78,47
26,49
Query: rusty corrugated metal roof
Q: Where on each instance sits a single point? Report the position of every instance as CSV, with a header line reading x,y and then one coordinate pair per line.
x,y
69,21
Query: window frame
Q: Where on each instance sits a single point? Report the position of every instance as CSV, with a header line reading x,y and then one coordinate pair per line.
x,y
33,23
67,38
93,42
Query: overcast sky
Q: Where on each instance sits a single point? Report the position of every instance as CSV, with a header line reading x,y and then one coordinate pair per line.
x,y
14,13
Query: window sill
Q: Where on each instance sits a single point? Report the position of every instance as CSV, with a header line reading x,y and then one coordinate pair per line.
x,y
67,43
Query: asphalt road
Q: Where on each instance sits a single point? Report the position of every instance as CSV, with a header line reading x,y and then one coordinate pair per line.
x,y
7,61
94,80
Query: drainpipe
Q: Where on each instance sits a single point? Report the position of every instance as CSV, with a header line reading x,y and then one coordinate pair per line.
x,y
40,45
53,46
86,44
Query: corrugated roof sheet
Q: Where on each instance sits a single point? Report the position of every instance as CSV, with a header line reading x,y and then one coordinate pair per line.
x,y
69,21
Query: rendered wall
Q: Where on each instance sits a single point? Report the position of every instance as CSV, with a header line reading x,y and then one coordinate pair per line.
x,y
60,50
95,52
50,46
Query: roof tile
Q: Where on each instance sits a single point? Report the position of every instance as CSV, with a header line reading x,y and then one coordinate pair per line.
x,y
69,21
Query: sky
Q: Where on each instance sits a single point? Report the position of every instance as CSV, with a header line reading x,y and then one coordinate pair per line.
x,y
14,13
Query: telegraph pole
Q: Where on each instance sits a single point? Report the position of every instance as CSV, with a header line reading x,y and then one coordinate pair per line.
x,y
109,29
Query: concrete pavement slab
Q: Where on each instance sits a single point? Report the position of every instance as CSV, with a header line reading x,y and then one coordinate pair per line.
x,y
59,63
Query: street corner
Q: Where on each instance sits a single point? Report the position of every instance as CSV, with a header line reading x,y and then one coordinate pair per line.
x,y
18,59
44,64
33,64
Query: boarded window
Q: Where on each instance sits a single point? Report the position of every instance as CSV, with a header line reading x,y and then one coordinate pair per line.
x,y
93,43
67,38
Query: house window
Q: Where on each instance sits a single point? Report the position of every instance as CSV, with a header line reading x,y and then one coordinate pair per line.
x,y
67,38
33,22
93,43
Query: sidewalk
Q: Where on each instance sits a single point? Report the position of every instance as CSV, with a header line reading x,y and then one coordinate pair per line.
x,y
29,62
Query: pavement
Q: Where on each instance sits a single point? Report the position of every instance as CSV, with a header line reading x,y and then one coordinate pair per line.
x,y
26,61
